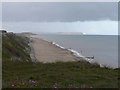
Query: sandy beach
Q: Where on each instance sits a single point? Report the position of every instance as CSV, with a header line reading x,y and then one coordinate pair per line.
x,y
46,52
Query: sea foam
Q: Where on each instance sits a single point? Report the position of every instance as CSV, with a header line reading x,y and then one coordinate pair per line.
x,y
75,53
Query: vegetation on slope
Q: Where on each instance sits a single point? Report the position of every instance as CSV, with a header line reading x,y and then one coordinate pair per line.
x,y
20,72
15,47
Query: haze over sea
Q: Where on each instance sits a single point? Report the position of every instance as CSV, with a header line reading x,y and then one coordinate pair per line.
x,y
103,47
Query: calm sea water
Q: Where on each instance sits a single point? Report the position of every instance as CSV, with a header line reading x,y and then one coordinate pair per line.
x,y
103,47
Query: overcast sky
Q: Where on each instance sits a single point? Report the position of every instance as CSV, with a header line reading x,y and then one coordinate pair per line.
x,y
61,17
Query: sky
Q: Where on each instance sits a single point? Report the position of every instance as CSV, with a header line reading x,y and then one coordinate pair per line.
x,y
0,15
86,17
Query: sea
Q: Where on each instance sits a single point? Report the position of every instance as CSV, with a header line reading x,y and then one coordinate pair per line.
x,y
104,48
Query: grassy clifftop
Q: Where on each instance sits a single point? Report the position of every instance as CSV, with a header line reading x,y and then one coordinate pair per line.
x,y
20,72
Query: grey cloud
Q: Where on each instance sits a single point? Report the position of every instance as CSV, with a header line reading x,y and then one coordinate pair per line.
x,y
59,11
0,12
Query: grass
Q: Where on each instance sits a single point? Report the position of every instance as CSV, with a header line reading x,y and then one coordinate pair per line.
x,y
67,74
25,74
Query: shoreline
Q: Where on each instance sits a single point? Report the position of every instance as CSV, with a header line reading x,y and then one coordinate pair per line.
x,y
87,58
74,52
75,56
46,52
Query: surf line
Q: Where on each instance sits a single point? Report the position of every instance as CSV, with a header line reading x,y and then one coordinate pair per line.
x,y
75,53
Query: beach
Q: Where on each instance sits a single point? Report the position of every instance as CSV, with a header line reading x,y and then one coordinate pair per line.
x,y
47,52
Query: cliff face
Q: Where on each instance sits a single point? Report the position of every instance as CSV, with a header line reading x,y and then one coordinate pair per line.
x,y
15,47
